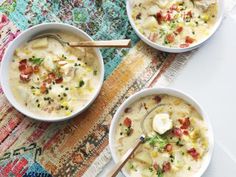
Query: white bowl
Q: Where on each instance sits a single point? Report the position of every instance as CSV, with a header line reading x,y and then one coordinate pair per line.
x,y
153,91
172,49
26,36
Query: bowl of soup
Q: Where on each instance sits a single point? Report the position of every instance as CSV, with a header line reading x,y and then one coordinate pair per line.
x,y
175,26
48,80
178,135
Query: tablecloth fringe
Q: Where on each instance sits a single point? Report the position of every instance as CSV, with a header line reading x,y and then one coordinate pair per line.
x,y
174,69
97,166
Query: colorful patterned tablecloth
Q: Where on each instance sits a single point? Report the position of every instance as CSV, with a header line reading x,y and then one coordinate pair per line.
x,y
77,147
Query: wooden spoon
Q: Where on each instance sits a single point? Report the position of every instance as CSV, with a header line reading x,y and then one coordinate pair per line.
x,y
116,169
125,43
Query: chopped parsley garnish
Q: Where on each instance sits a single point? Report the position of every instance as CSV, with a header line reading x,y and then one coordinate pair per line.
x,y
128,131
159,172
156,140
172,158
150,169
172,25
162,32
95,72
36,61
64,57
178,143
81,83
131,166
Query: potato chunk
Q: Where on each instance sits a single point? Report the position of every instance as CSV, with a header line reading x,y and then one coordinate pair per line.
x,y
40,43
144,157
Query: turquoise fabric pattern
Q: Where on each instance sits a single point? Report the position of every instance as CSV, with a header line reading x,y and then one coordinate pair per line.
x,y
102,19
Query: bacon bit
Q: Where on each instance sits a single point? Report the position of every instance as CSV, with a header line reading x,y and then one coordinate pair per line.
x,y
177,132
36,69
189,40
189,13
51,76
185,132
22,67
168,148
181,121
173,7
43,88
127,122
155,166
179,29
166,166
184,45
138,16
157,99
168,17
193,152
170,38
25,77
159,17
59,80
28,70
48,80
185,122
127,110
23,62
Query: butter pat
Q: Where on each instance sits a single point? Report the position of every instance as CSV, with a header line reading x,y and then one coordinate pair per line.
x,y
162,123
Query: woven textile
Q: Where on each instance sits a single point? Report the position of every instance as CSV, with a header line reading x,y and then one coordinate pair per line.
x,y
75,147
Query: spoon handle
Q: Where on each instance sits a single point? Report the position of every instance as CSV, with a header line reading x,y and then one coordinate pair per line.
x,y
116,169
126,43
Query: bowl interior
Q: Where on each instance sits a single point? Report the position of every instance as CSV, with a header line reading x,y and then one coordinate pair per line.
x,y
23,38
153,91
129,6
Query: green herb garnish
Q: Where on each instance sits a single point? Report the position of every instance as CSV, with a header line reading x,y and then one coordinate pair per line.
x,y
159,172
128,131
172,158
150,169
36,61
64,57
95,72
81,83
156,140
162,32
172,25
179,143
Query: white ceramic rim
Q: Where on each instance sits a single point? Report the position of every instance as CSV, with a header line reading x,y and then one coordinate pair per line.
x,y
169,91
176,50
24,37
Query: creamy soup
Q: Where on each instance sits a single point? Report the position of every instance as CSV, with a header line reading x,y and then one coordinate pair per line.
x,y
176,140
51,79
175,23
